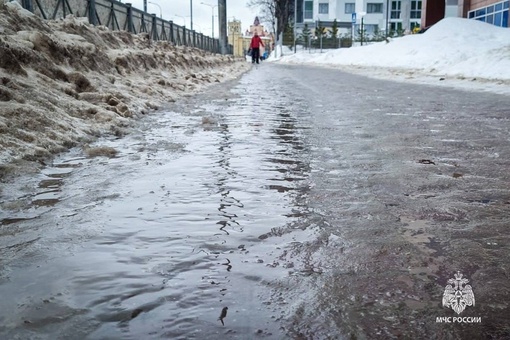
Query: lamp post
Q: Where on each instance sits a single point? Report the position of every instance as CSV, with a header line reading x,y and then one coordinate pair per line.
x,y
160,12
183,18
199,28
212,17
222,23
191,13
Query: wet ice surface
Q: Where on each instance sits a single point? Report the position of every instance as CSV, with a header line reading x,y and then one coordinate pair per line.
x,y
157,240
310,202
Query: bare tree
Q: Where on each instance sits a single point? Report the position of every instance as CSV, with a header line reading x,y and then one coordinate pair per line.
x,y
273,12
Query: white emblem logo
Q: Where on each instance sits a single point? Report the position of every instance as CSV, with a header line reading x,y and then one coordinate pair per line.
x,y
456,296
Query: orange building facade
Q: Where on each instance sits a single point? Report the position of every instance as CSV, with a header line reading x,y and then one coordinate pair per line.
x,y
241,41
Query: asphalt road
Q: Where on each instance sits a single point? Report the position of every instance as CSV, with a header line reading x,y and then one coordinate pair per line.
x,y
408,185
313,203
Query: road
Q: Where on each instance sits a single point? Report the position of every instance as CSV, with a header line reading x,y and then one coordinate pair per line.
x,y
312,203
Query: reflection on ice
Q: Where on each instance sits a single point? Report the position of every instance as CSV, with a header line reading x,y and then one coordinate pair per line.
x,y
156,241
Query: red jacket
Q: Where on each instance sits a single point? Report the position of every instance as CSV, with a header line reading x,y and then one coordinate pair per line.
x,y
256,42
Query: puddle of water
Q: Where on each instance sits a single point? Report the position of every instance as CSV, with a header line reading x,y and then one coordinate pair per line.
x,y
158,244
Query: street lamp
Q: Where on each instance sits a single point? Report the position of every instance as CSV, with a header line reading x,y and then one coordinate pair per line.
x,y
199,28
160,12
212,18
183,18
191,13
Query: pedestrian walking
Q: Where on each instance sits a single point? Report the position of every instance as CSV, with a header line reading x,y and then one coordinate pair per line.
x,y
256,41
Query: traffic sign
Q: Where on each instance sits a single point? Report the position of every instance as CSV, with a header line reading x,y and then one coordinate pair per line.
x,y
353,18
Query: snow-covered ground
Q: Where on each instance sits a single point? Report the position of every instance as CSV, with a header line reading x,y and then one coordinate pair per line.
x,y
63,83
454,52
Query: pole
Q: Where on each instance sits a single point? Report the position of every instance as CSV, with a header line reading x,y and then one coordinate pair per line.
x,y
212,16
145,6
191,13
222,21
160,12
295,22
361,31
387,17
352,35
183,19
276,45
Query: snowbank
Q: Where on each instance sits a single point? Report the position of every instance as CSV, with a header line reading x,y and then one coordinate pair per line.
x,y
63,83
454,46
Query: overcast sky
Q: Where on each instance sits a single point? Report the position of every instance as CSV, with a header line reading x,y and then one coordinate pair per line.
x,y
202,15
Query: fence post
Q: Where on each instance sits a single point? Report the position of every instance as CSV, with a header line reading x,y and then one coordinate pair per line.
x,y
130,18
172,40
154,28
92,12
163,31
27,4
190,38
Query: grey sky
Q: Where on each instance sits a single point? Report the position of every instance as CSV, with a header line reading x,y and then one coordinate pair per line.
x,y
202,15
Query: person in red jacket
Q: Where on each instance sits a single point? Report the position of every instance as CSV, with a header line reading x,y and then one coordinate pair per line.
x,y
255,48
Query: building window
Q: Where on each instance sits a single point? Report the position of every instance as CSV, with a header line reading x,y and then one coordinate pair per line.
x,y
367,29
395,26
350,8
416,9
374,8
395,9
323,8
495,14
371,29
299,11
308,9
414,25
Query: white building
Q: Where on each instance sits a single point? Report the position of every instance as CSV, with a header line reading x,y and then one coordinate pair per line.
x,y
378,15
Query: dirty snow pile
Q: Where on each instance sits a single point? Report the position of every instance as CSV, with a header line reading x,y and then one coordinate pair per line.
x,y
454,47
64,83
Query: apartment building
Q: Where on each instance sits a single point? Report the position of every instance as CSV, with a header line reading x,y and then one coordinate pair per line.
x,y
397,15
494,12
377,15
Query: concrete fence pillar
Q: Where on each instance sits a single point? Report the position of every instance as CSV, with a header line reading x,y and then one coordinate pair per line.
x,y
28,5
129,18
92,12
154,27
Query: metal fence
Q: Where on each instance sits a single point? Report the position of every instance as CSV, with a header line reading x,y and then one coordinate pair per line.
x,y
122,16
